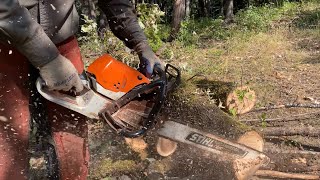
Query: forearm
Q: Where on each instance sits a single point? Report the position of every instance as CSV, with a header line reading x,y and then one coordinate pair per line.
x,y
123,21
20,30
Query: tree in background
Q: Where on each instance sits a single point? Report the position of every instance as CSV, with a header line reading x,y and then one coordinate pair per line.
x,y
188,10
227,9
179,12
175,11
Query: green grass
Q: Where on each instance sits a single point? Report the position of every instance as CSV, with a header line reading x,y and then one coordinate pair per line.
x,y
263,42
245,53
250,20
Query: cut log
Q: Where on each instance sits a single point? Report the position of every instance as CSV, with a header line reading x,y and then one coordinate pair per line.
x,y
193,157
166,147
241,100
291,131
297,161
277,174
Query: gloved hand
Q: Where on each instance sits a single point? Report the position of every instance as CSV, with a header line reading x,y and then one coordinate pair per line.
x,y
60,74
148,59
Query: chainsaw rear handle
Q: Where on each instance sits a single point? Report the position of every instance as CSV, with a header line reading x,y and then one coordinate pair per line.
x,y
161,85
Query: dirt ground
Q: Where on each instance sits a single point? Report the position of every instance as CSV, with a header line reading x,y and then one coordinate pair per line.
x,y
112,158
281,66
291,134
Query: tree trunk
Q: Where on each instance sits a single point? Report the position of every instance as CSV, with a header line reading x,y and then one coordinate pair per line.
x,y
228,11
134,3
188,3
179,12
202,7
207,8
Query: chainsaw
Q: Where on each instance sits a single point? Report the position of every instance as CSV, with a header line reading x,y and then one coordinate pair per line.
x,y
129,102
122,96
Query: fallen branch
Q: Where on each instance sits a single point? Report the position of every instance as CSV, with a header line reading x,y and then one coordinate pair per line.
x,y
295,168
196,75
277,174
290,118
289,105
302,145
273,150
291,131
313,100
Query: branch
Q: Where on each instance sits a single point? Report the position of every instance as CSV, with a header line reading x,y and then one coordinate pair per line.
x,y
290,118
196,75
277,174
300,152
289,105
291,131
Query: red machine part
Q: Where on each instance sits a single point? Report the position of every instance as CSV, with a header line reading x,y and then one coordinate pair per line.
x,y
116,76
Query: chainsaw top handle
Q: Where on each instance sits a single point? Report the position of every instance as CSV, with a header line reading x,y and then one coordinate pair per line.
x,y
163,78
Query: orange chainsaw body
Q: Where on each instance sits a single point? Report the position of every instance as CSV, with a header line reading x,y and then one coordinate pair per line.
x,y
116,76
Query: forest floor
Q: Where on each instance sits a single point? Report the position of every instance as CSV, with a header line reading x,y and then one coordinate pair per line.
x,y
280,65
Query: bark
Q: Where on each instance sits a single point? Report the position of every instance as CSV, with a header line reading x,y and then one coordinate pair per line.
x,y
277,174
228,11
291,160
203,116
179,13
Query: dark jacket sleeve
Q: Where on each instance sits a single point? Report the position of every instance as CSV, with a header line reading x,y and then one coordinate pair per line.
x,y
123,21
20,30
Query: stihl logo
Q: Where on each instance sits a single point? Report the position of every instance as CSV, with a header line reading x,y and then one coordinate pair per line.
x,y
214,144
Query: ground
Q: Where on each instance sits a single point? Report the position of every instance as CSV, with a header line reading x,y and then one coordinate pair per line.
x,y
281,65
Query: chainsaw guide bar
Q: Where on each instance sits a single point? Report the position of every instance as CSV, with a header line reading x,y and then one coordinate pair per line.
x,y
204,155
208,142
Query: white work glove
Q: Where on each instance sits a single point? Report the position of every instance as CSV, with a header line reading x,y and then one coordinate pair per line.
x,y
60,74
